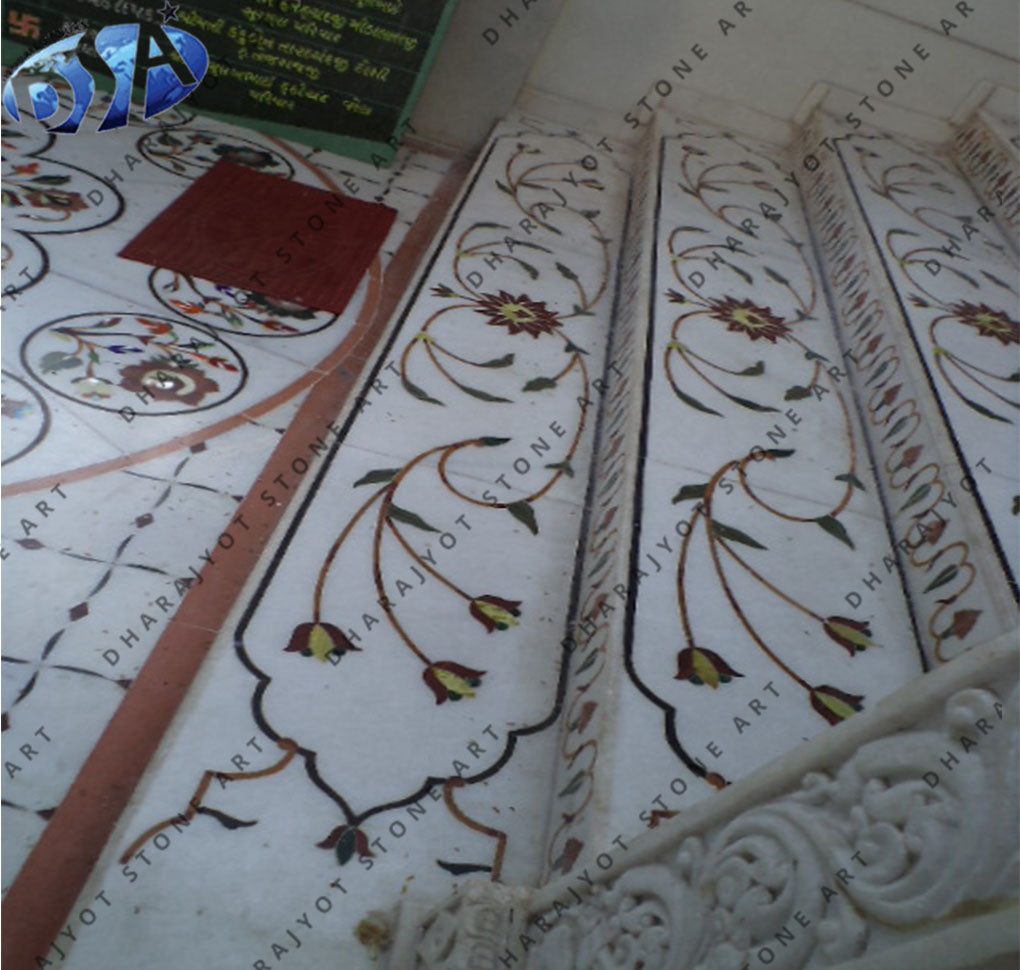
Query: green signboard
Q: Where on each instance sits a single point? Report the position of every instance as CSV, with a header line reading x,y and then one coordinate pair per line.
x,y
340,75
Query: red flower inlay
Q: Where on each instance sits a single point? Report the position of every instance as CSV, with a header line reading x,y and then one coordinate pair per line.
x,y
988,322
911,455
518,314
166,382
852,635
933,532
963,623
242,155
571,850
743,316
835,705
346,841
701,666
658,815
451,681
495,613
319,640
55,199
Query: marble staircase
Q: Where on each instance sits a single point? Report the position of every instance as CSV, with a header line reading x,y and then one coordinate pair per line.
x,y
802,506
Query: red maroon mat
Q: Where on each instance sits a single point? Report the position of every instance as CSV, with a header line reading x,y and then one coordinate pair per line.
x,y
259,232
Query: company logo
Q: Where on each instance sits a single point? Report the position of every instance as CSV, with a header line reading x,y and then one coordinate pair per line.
x,y
166,63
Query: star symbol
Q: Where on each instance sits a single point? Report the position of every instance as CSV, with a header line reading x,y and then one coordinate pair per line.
x,y
169,11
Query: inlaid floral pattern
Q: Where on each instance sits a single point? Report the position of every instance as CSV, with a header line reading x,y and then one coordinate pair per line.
x,y
423,629
953,270
190,151
743,316
320,640
986,149
161,417
42,196
518,314
234,310
25,417
110,361
507,324
947,584
712,171
988,322
704,667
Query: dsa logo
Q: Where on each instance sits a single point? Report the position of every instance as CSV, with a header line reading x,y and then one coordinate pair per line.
x,y
166,63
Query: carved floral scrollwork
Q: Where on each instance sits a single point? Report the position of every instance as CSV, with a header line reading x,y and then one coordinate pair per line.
x,y
899,836
647,918
473,930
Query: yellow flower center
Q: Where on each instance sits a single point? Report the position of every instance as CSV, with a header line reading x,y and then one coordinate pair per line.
x,y
849,633
517,312
748,319
453,683
840,708
705,670
497,614
320,643
990,322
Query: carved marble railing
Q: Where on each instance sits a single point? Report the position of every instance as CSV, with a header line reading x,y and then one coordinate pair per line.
x,y
890,841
